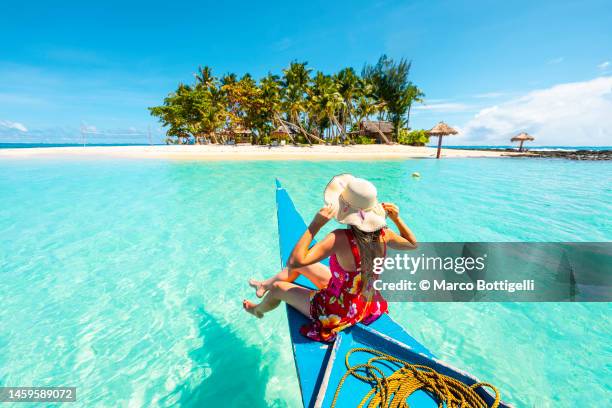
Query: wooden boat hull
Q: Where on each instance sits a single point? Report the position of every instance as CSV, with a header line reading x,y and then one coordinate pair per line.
x,y
353,390
320,366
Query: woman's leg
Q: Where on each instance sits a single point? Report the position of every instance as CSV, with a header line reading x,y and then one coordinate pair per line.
x,y
295,295
318,274
262,287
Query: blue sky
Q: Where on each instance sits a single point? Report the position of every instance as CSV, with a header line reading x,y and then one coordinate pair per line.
x,y
490,68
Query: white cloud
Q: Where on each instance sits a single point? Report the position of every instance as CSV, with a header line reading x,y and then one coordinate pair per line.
x,y
578,113
7,124
604,65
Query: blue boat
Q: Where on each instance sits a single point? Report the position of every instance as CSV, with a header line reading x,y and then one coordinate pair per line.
x,y
320,367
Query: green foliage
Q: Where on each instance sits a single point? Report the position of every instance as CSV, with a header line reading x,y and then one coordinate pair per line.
x,y
364,140
301,139
391,87
319,107
295,84
193,111
418,137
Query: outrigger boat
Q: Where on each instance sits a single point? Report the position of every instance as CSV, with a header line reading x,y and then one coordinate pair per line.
x,y
321,367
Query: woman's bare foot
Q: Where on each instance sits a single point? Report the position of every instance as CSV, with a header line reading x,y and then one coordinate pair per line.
x,y
251,308
258,286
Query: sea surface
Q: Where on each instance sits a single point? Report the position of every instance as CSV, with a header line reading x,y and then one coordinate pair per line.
x,y
124,278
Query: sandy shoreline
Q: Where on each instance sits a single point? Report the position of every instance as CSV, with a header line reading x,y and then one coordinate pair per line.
x,y
248,152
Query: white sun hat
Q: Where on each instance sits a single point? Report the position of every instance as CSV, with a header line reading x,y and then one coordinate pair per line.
x,y
354,202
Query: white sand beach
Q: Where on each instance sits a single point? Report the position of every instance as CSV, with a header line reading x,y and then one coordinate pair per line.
x,y
248,152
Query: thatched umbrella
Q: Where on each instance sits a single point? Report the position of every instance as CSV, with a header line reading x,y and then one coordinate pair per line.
x,y
440,130
521,138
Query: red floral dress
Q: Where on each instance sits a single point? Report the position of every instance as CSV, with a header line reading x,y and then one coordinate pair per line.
x,y
341,304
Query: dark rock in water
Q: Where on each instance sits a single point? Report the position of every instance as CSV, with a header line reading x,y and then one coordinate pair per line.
x,y
576,155
562,154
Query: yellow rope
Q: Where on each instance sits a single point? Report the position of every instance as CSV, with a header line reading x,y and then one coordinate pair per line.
x,y
393,391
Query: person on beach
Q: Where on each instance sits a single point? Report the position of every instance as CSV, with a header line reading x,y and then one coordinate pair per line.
x,y
345,294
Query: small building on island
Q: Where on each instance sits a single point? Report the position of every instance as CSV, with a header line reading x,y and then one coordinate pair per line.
x,y
237,135
379,130
284,132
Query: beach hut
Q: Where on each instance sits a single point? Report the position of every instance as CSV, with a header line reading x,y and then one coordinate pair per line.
x,y
522,137
380,130
284,133
441,130
241,134
236,135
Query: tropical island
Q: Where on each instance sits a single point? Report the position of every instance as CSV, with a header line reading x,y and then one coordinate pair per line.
x,y
298,107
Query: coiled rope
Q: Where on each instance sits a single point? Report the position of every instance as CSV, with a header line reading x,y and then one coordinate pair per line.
x,y
392,391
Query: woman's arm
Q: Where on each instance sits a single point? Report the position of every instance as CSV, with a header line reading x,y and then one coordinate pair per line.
x,y
302,255
406,239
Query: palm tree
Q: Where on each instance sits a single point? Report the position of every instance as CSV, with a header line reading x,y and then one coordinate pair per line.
x,y
349,87
209,104
390,85
192,111
325,102
229,88
316,103
271,90
210,112
414,94
295,83
204,77
176,113
367,103
249,102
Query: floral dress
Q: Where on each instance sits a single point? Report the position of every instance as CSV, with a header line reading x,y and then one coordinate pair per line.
x,y
341,304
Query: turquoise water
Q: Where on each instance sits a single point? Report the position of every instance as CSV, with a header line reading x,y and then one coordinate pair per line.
x,y
125,278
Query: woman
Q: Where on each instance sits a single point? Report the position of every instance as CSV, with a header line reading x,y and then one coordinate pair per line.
x,y
345,294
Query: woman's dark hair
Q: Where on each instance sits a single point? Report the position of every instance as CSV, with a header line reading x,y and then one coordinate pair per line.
x,y
370,247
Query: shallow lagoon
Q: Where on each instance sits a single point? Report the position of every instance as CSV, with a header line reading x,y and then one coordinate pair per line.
x,y
125,278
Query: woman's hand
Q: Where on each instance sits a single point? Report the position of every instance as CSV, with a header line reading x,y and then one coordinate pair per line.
x,y
322,217
392,210
406,239
302,254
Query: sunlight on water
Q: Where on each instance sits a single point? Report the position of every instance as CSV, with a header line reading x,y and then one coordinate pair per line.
x,y
125,278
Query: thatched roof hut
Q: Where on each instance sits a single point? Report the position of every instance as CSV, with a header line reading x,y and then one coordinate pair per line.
x,y
380,130
237,134
522,138
375,126
239,130
285,130
441,130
